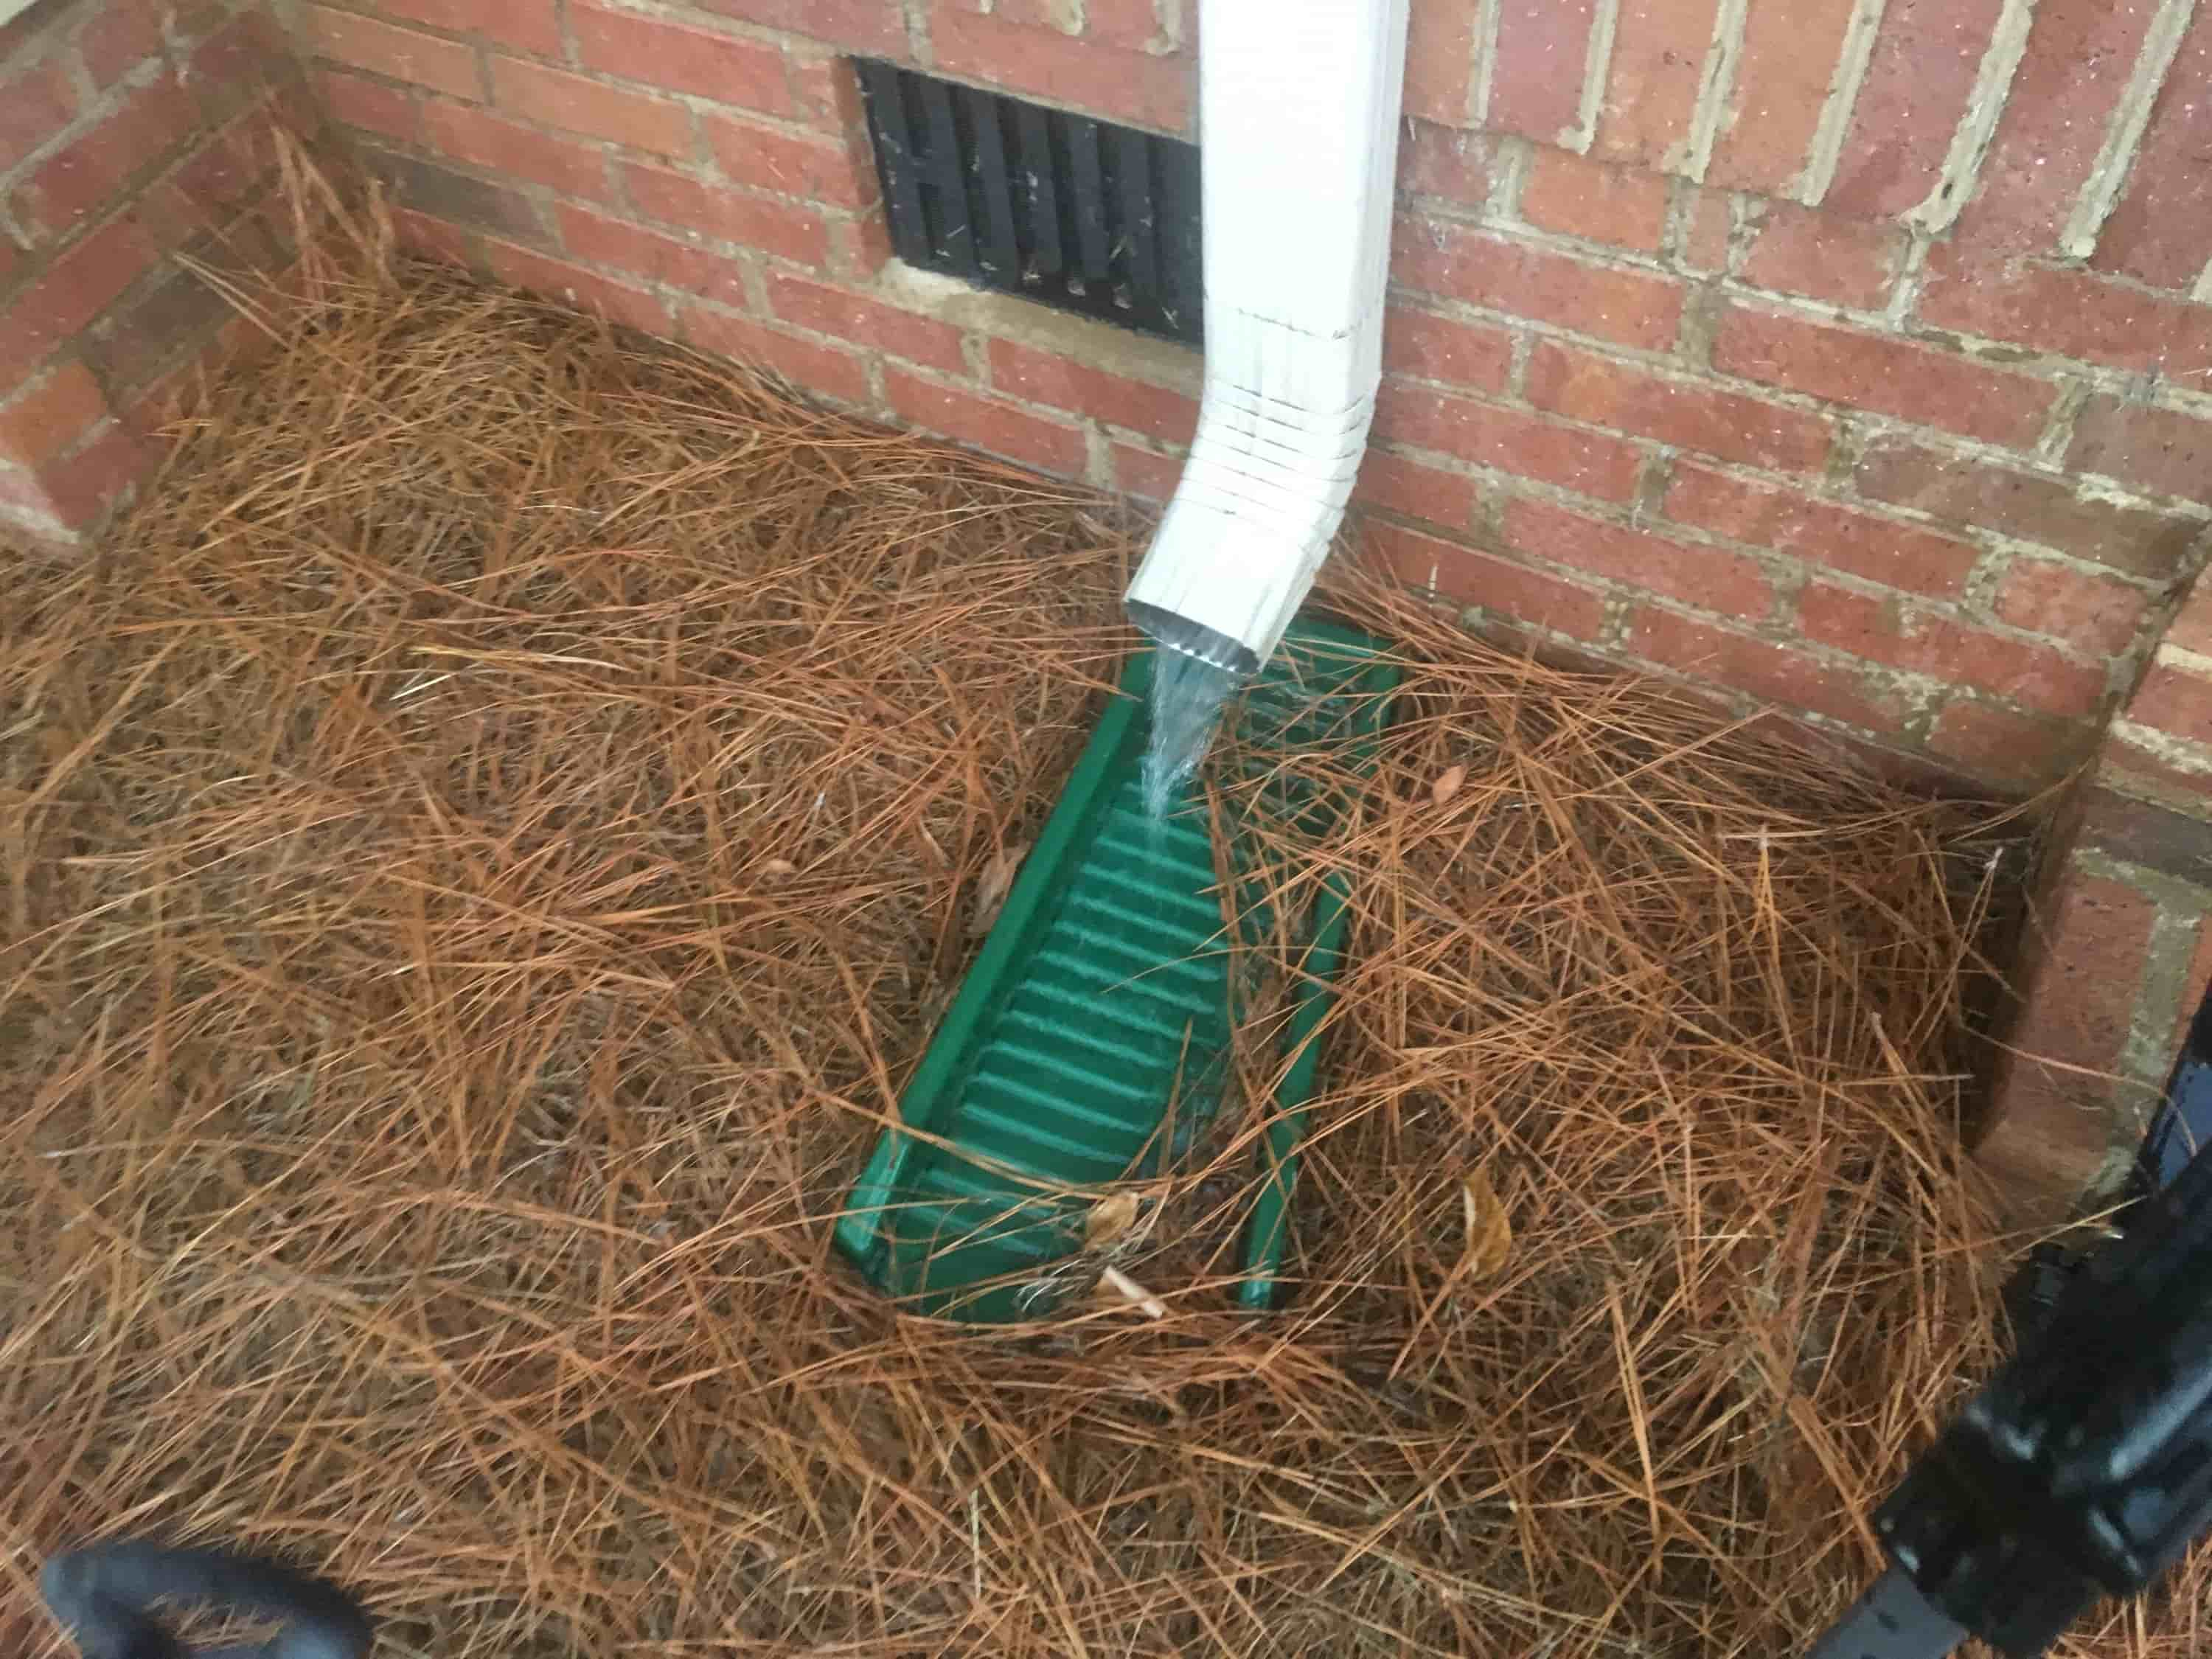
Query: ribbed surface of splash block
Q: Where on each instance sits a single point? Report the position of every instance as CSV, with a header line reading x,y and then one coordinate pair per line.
x,y
1090,1041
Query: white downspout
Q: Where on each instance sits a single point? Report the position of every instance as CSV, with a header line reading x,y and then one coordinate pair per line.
x,y
1298,106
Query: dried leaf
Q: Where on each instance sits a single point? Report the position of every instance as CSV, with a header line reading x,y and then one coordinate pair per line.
x,y
997,880
1489,1231
1110,1218
778,867
1448,785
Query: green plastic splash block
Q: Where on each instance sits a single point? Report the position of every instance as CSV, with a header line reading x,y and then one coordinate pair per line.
x,y
1090,1041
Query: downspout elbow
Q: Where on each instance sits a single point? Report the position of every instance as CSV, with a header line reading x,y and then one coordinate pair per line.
x,y
1298,106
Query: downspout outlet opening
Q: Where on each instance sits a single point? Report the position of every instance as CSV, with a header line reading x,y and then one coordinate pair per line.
x,y
1173,631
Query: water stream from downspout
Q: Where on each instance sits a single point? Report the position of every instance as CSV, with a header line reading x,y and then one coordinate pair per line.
x,y
1188,694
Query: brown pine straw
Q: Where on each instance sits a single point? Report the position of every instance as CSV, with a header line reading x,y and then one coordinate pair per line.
x,y
484,844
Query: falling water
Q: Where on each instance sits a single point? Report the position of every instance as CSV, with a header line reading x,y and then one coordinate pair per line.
x,y
1188,695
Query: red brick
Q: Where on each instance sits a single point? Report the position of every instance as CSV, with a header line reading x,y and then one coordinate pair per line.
x,y
2080,55
76,289
1767,671
1141,473
1574,196
178,390
2159,232
1472,354
1441,161
2032,505
1061,14
290,106
1499,585
2174,781
90,171
1882,373
598,111
2051,1134
38,104
824,310
248,48
369,104
434,239
117,40
2092,613
1898,556
1711,228
2074,313
1839,260
1709,577
1125,85
1992,741
783,228
826,92
1917,81
859,245
1632,308
1884,631
226,169
645,254
874,27
2193,987
2191,627
284,103
1131,24
831,371
177,313
618,302
89,482
76,492
40,422
791,164
1399,485
1001,429
1606,392
2054,1135
2091,938
677,57
1439,64
243,339
1507,439
2157,449
1039,377
459,198
2173,701
485,140
2130,828
1658,63
404,54
519,25
1538,67
1788,56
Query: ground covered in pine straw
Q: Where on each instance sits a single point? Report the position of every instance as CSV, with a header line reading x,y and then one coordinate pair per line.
x,y
484,845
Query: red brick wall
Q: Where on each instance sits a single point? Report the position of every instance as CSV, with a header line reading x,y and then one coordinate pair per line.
x,y
1856,371
2119,950
133,137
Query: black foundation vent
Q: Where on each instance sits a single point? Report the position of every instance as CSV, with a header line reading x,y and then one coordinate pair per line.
x,y
1071,212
